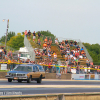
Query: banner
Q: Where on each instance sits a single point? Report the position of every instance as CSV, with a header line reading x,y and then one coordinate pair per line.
x,y
3,66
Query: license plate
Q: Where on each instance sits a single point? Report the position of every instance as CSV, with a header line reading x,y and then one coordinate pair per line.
x,y
15,78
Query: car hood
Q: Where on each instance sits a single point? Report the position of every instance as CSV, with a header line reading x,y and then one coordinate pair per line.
x,y
23,72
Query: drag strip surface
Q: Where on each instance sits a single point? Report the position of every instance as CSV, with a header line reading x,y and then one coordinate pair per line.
x,y
58,82
47,90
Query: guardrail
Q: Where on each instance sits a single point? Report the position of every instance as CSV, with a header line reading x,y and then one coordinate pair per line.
x,y
30,48
60,96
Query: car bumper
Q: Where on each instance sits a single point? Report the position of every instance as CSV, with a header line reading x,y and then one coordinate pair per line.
x,y
15,78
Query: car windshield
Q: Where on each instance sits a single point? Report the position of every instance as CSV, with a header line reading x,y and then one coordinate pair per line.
x,y
40,68
23,68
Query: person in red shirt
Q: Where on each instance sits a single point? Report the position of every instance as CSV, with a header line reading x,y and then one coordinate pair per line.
x,y
49,66
25,33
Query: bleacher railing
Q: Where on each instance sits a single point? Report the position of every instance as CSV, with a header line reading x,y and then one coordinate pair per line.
x,y
80,45
87,54
30,48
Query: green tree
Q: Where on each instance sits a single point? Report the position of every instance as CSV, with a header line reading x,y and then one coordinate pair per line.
x,y
10,34
16,41
47,34
94,51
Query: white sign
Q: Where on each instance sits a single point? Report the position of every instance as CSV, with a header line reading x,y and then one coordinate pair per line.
x,y
73,71
3,66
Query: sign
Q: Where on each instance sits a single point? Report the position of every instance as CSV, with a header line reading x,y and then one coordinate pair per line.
x,y
73,71
86,76
81,77
92,76
3,66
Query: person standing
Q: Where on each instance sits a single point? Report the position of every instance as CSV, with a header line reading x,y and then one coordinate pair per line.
x,y
25,33
39,34
29,33
34,36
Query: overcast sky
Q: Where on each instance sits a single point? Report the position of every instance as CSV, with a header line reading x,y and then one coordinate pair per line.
x,y
74,19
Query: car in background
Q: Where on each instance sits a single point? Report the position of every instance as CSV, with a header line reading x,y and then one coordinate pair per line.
x,y
26,72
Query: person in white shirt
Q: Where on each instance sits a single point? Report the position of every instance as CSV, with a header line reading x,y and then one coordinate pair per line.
x,y
56,41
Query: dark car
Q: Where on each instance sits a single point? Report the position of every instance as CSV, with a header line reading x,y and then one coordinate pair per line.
x,y
26,72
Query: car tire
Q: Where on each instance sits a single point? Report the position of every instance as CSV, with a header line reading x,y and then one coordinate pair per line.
x,y
29,80
19,81
39,80
9,80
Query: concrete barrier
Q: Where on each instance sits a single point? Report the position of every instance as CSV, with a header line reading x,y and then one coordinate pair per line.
x,y
2,75
47,76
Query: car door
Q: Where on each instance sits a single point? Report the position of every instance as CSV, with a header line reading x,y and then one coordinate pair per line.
x,y
35,72
41,71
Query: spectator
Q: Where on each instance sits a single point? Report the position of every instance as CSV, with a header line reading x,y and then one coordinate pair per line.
x,y
67,46
25,33
87,62
66,42
39,34
71,43
66,59
56,41
39,42
34,36
77,70
46,40
29,33
68,52
63,43
76,61
75,44
82,49
53,67
49,56
49,67
23,61
55,56
50,41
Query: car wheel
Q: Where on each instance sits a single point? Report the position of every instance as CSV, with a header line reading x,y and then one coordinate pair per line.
x,y
39,80
29,80
9,80
19,81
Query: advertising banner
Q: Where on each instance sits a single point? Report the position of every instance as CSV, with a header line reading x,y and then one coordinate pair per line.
x,y
86,76
3,66
81,77
92,76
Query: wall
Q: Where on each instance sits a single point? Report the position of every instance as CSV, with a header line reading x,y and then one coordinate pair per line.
x,y
47,75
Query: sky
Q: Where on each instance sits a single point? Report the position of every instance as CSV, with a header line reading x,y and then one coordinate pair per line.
x,y
66,19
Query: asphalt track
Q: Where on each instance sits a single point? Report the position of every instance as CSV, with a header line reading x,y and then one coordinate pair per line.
x,y
49,86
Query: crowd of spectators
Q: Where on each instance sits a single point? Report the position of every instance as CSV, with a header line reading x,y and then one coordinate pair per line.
x,y
70,51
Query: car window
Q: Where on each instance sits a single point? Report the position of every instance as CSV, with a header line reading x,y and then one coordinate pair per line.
x,y
23,68
40,68
36,68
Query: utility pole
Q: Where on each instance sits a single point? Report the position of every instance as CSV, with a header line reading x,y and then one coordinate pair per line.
x,y
6,31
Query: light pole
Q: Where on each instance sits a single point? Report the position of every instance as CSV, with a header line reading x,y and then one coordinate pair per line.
x,y
6,31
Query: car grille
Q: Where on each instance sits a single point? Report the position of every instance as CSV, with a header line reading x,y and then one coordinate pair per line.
x,y
16,75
